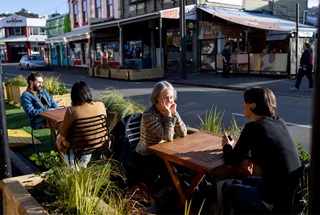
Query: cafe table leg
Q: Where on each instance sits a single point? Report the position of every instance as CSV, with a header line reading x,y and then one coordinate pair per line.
x,y
195,182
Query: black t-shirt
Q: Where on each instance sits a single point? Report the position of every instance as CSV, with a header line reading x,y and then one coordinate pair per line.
x,y
269,144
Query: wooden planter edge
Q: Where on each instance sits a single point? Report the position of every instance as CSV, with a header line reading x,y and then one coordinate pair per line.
x,y
16,199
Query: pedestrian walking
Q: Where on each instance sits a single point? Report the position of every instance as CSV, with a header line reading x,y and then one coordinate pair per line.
x,y
226,54
305,68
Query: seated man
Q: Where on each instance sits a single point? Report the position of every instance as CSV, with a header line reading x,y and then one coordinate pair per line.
x,y
36,100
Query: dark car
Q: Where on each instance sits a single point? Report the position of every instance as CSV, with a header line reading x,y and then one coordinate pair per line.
x,y
33,62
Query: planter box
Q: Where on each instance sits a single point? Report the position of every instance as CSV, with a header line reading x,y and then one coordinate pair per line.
x,y
134,74
4,90
102,72
63,100
14,93
15,197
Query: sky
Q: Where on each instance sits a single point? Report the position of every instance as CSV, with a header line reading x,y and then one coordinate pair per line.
x,y
60,6
35,6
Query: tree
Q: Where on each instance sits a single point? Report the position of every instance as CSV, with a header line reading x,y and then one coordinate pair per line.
x,y
27,14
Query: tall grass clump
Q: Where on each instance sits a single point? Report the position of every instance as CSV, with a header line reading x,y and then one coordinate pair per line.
x,y
17,81
87,191
212,121
234,129
54,86
117,105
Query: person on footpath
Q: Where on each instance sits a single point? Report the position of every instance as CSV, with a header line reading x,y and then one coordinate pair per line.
x,y
306,66
36,100
226,55
265,141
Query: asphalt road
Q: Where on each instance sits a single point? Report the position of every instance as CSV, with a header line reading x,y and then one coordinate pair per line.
x,y
194,101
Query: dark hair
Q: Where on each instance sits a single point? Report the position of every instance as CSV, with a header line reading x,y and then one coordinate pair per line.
x,y
227,44
264,98
33,76
307,45
80,93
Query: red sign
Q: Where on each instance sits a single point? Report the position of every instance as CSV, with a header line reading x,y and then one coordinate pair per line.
x,y
14,20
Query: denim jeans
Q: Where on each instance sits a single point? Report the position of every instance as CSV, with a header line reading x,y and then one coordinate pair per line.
x,y
244,198
82,163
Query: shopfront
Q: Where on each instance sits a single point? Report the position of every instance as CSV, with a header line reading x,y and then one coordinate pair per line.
x,y
260,42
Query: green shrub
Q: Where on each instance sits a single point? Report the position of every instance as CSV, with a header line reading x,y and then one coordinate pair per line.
x,y
303,155
54,86
17,81
45,160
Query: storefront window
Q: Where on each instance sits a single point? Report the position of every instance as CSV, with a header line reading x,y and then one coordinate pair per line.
x,y
98,53
111,51
3,52
133,49
77,51
16,31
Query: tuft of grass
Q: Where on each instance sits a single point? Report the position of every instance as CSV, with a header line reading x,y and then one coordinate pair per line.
x,y
17,81
234,129
87,191
54,86
117,105
212,121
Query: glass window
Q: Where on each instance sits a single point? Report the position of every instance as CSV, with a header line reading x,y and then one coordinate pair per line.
x,y
16,31
84,11
98,9
110,8
75,14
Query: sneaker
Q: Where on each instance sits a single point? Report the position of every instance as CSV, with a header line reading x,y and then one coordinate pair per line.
x,y
309,89
293,89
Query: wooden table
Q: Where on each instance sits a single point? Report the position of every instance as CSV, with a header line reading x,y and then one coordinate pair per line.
x,y
54,119
201,152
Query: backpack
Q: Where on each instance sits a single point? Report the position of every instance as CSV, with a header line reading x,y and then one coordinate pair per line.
x,y
126,135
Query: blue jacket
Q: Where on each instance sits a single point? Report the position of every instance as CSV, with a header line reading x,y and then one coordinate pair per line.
x,y
32,106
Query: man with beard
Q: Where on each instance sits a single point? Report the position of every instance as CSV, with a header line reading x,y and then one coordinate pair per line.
x,y
36,100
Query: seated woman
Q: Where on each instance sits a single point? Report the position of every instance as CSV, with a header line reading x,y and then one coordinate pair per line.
x,y
160,122
267,142
82,107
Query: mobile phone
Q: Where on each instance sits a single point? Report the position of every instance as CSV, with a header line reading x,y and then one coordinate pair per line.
x,y
230,137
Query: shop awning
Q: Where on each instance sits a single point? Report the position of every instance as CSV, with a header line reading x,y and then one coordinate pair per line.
x,y
258,20
75,35
15,39
116,22
174,13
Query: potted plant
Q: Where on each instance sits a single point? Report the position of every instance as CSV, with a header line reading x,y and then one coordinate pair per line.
x,y
103,71
118,106
66,190
57,89
15,87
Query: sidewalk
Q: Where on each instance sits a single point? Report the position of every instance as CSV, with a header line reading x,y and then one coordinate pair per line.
x,y
279,85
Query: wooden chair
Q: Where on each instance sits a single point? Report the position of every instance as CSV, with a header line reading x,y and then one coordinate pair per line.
x,y
90,136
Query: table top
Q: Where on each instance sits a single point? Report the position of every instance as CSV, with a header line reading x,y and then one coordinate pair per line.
x,y
201,150
56,115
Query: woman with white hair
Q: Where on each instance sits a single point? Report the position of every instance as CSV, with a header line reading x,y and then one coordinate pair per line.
x,y
159,123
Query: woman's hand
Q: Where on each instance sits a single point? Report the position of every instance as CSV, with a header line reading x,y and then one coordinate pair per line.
x,y
168,108
225,140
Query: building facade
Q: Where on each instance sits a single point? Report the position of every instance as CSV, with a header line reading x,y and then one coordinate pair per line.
x,y
20,35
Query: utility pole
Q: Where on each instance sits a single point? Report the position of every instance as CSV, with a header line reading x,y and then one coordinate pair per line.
x,y
183,74
5,165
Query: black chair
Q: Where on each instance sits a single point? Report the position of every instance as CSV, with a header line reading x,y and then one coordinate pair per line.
x,y
90,136
296,192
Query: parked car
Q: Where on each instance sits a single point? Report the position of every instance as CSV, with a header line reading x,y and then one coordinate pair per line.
x,y
33,62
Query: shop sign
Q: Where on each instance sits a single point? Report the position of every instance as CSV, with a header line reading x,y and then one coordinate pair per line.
x,y
57,26
174,13
14,20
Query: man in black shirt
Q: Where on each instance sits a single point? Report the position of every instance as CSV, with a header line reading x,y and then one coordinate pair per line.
x,y
226,54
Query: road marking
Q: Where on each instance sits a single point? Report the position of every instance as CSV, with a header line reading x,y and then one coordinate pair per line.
x,y
11,74
288,123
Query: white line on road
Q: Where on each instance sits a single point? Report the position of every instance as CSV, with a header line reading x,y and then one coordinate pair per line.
x,y
288,123
11,74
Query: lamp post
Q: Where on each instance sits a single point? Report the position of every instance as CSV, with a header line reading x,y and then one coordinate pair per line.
x,y
5,165
183,74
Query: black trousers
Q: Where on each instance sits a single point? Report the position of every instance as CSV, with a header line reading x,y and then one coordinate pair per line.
x,y
302,73
226,70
